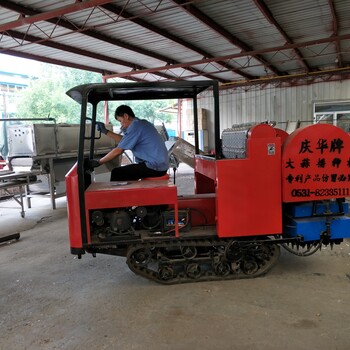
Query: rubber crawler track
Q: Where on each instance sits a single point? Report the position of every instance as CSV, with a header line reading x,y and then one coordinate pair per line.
x,y
184,261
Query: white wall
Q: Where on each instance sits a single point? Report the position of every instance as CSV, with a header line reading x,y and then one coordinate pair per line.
x,y
275,104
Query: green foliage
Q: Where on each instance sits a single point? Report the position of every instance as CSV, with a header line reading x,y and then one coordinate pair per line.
x,y
148,109
46,96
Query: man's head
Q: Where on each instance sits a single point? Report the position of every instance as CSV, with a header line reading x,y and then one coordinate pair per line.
x,y
124,115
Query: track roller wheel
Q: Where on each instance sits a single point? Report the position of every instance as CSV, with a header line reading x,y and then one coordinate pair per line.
x,y
233,251
165,273
222,269
193,270
188,252
249,266
142,257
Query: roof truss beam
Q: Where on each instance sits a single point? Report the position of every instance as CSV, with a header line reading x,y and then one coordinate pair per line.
x,y
93,34
62,47
291,80
60,63
164,33
50,60
335,32
44,16
269,16
199,15
250,53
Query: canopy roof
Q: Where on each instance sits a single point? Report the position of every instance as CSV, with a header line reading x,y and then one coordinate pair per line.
x,y
232,41
95,93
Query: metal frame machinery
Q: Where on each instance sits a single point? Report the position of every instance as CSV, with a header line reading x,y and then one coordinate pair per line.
x,y
243,209
48,149
95,93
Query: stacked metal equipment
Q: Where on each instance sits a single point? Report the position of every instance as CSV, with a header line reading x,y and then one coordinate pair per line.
x,y
51,150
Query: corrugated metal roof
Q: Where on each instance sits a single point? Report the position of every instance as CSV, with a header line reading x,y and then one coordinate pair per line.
x,y
232,41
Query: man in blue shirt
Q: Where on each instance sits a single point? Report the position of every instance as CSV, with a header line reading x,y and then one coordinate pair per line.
x,y
140,137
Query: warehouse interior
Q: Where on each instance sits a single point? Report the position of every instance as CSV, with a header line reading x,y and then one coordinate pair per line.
x,y
285,64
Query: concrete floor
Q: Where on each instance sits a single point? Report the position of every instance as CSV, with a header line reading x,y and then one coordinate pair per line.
x,y
51,300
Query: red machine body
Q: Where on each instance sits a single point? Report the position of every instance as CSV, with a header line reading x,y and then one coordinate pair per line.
x,y
229,193
248,191
316,164
262,189
73,209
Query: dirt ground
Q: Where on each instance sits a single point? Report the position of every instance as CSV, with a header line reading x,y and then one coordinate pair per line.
x,y
51,300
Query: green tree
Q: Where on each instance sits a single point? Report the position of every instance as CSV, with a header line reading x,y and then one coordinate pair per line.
x,y
147,109
46,96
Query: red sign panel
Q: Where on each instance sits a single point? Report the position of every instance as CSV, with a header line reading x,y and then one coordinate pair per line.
x,y
316,164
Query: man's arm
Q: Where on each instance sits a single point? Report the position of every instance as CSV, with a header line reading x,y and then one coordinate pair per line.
x,y
114,136
112,154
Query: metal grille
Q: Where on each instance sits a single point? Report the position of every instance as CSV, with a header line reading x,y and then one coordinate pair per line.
x,y
234,143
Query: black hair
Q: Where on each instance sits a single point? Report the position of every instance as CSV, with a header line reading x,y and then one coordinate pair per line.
x,y
119,112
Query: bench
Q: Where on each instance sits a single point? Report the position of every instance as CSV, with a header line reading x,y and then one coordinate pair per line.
x,y
20,181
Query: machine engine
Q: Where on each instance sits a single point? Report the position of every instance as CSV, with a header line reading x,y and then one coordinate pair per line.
x,y
109,224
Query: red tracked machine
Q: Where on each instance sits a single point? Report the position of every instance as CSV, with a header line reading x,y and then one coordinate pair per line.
x,y
262,190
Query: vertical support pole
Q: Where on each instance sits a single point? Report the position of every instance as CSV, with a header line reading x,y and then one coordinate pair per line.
x,y
92,134
52,183
26,188
218,151
179,117
105,106
195,116
21,193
